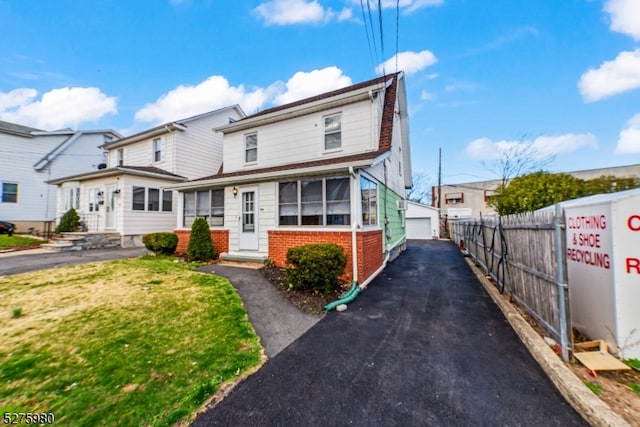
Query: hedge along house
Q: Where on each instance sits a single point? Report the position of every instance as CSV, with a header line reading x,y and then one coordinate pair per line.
x,y
330,168
130,194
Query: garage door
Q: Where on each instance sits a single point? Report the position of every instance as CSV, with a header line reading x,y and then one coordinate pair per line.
x,y
418,228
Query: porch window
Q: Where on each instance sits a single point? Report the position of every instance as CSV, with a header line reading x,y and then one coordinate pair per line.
x,y
94,205
316,202
137,202
207,204
333,132
72,198
151,199
153,202
9,192
167,201
251,148
369,197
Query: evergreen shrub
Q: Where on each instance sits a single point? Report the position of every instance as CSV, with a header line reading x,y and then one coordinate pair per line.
x,y
161,243
200,247
316,267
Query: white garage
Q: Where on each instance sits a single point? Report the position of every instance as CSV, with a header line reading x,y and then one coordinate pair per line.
x,y
422,221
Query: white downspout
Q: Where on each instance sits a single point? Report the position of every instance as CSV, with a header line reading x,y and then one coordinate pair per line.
x,y
354,225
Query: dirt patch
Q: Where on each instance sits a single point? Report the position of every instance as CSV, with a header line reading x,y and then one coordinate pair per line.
x,y
308,302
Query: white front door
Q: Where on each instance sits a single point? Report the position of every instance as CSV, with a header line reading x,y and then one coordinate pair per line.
x,y
248,219
109,207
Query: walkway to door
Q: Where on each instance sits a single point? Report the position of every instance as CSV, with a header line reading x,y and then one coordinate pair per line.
x,y
424,345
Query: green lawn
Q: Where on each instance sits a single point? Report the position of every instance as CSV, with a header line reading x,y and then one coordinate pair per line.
x,y
131,342
18,241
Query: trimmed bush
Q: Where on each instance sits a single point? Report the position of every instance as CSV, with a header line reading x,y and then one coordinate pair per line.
x,y
161,243
316,267
200,247
70,221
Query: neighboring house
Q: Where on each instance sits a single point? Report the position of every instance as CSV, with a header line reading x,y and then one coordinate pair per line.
x,y
330,168
129,195
423,222
470,199
30,157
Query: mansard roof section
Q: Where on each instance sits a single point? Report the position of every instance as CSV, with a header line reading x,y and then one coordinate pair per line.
x,y
168,127
358,92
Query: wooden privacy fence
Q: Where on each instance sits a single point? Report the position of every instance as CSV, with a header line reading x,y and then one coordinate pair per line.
x,y
525,256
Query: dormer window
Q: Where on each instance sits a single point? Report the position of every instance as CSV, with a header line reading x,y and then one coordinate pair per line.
x,y
251,148
157,150
333,132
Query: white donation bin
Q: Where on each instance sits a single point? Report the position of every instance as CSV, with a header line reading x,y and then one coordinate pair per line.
x,y
603,262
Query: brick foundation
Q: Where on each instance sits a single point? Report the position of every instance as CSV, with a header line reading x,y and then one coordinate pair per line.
x,y
220,239
369,260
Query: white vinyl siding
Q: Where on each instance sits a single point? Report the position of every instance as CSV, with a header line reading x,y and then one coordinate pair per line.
x,y
302,139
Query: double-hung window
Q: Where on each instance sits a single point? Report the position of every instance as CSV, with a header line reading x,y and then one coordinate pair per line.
x,y
120,160
369,197
251,148
157,149
72,198
317,201
207,204
9,192
333,132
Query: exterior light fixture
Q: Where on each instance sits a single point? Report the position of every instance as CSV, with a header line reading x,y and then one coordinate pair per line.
x,y
234,190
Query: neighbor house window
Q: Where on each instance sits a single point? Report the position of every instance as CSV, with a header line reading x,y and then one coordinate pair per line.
x,y
453,198
207,204
93,199
151,199
121,157
251,148
157,150
369,196
324,201
9,192
333,132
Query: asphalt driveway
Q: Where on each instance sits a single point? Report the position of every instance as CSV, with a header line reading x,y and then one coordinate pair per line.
x,y
424,345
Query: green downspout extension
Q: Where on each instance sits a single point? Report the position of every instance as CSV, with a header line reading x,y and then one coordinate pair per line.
x,y
345,298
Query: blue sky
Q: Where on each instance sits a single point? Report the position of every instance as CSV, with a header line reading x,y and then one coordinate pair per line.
x,y
482,75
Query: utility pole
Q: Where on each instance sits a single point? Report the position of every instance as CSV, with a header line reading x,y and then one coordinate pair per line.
x,y
439,177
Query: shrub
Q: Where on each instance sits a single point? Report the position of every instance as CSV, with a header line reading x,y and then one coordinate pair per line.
x,y
69,222
315,267
200,247
162,243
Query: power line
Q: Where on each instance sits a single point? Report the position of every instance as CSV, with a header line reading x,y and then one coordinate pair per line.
x,y
381,34
366,30
397,31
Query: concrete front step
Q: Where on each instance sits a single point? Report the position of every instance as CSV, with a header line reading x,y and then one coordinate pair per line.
x,y
248,257
80,241
60,247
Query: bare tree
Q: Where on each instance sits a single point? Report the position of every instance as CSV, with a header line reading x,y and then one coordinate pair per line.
x,y
518,159
421,190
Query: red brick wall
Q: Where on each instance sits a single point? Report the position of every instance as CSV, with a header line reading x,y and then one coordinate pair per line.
x,y
369,253
220,239
280,241
369,248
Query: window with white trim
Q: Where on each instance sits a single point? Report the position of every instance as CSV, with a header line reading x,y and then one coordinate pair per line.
x,y
9,192
207,204
120,157
93,200
151,199
72,198
157,149
333,132
251,148
317,201
369,196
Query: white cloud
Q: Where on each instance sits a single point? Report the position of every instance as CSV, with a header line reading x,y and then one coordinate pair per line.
x,y
407,6
216,92
303,85
409,62
288,12
58,108
613,77
542,147
625,17
213,93
426,96
629,140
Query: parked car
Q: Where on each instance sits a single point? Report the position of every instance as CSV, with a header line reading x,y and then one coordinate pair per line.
x,y
7,227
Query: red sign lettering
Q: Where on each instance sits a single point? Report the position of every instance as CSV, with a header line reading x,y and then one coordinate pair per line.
x,y
634,223
633,263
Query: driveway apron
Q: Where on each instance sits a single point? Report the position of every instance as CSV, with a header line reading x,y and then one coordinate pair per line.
x,y
424,345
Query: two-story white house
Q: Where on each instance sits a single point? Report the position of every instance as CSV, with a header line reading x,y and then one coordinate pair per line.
x,y
330,168
30,157
130,195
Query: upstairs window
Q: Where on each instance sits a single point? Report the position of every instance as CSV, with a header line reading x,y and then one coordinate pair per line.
x,y
9,192
157,150
454,198
333,132
121,157
251,148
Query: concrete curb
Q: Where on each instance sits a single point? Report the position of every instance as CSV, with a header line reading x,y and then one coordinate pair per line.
x,y
596,412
